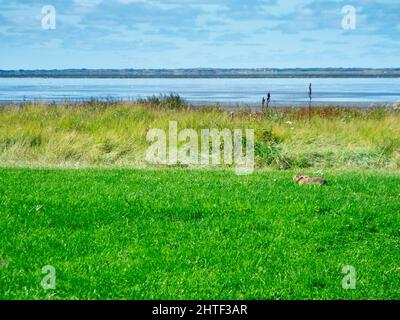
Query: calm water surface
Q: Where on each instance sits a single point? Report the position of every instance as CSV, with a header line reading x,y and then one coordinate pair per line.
x,y
224,91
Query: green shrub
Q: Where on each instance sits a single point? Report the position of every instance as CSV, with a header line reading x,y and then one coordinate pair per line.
x,y
171,101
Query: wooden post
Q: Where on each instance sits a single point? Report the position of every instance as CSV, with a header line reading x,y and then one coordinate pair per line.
x,y
263,105
309,105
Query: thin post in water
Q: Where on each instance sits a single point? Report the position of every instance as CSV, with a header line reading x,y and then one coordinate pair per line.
x,y
309,105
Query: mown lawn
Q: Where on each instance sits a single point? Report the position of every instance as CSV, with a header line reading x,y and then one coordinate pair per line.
x,y
181,234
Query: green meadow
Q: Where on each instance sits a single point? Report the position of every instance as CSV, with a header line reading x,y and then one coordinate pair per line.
x,y
77,194
193,234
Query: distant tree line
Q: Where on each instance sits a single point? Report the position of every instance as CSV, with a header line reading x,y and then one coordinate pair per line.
x,y
206,73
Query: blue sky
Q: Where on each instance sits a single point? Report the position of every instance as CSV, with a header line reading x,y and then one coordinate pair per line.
x,y
199,33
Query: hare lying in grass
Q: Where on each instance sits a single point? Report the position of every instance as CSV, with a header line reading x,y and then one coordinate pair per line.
x,y
309,180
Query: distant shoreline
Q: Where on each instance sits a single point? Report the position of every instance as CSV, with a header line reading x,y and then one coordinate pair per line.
x,y
262,73
207,77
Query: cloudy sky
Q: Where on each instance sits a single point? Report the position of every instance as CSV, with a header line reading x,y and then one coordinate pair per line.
x,y
199,33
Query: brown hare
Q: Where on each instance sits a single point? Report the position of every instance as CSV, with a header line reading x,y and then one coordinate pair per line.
x,y
300,179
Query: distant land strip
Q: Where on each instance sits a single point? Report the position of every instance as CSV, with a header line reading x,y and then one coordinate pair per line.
x,y
205,73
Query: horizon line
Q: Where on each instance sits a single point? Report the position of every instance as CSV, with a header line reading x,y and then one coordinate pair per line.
x,y
205,68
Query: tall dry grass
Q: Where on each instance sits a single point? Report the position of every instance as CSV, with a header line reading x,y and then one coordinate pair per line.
x,y
114,134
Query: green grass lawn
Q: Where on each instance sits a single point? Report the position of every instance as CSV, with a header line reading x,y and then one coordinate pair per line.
x,y
181,234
